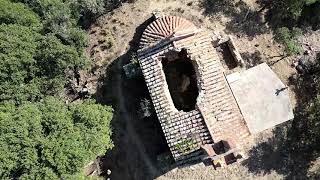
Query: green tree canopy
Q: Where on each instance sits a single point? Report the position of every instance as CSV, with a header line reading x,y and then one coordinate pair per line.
x,y
60,18
51,140
18,13
18,45
32,65
40,136
54,58
33,62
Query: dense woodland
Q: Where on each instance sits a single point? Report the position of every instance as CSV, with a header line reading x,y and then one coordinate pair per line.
x,y
42,137
42,42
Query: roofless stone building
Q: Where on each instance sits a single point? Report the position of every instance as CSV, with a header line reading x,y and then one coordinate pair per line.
x,y
189,89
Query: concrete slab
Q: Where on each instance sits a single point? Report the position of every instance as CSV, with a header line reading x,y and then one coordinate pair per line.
x,y
262,97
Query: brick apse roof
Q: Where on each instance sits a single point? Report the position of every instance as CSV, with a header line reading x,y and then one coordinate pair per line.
x,y
216,116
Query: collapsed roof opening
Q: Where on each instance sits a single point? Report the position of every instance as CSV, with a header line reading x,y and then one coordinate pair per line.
x,y
181,78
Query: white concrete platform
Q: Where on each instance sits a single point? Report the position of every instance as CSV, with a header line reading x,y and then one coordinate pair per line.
x,y
263,99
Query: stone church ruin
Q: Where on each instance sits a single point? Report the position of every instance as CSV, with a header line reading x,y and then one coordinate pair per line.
x,y
199,113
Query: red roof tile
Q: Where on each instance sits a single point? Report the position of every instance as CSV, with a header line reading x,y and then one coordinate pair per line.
x,y
217,116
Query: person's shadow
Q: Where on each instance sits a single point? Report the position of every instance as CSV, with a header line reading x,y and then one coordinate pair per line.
x,y
278,91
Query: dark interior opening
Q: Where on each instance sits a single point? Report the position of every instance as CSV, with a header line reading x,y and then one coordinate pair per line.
x,y
225,54
181,78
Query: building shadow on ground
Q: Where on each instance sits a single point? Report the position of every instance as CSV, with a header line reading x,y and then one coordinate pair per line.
x,y
138,141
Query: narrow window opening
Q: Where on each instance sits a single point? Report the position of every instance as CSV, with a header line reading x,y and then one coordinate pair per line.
x,y
181,78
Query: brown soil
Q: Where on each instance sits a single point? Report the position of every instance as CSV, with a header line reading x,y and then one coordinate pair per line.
x,y
138,142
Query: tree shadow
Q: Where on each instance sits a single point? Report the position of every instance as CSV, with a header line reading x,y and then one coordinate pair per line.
x,y
290,151
247,22
271,15
252,59
219,6
275,13
244,20
277,154
310,16
278,15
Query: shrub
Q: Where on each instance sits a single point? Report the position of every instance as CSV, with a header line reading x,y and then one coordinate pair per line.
x,y
106,41
295,32
287,38
93,7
